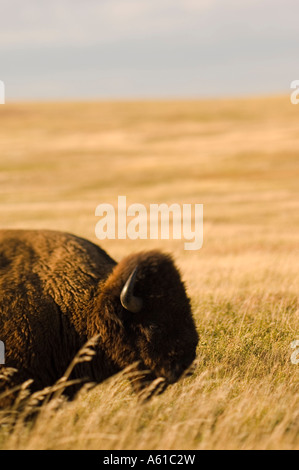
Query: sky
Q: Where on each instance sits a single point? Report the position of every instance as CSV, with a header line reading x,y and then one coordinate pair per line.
x,y
111,49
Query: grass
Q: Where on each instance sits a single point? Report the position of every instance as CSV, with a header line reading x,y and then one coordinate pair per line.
x,y
240,158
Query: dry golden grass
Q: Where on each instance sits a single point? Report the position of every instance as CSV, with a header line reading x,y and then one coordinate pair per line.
x,y
240,158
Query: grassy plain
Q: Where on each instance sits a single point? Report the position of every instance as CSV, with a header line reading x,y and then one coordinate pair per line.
x,y
240,158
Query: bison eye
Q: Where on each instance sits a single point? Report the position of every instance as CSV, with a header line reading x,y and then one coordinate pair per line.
x,y
151,331
152,328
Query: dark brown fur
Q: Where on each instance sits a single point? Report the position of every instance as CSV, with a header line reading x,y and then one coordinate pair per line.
x,y
58,290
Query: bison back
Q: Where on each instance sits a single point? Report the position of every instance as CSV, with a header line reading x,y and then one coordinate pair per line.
x,y
47,282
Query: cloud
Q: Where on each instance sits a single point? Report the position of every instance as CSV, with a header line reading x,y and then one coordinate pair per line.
x,y
147,42
79,22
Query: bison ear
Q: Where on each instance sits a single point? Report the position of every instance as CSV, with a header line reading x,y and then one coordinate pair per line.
x,y
127,298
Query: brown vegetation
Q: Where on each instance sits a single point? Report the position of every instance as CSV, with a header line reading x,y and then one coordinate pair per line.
x,y
240,158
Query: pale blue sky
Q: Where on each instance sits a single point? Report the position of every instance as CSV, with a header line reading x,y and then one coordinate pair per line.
x,y
95,49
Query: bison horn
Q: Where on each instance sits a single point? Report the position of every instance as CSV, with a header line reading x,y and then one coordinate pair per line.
x,y
128,300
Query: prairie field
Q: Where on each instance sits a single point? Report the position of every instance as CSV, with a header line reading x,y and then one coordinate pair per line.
x,y
240,159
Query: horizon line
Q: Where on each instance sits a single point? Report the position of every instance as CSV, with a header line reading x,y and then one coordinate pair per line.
x,y
122,99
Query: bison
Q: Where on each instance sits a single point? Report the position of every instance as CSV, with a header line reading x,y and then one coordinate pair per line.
x,y
58,290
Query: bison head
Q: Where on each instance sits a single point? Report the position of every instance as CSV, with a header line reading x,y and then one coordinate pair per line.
x,y
143,314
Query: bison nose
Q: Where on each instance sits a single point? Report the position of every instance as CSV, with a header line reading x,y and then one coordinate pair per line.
x,y
174,374
176,371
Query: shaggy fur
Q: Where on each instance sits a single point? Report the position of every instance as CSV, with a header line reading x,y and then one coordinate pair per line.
x,y
58,290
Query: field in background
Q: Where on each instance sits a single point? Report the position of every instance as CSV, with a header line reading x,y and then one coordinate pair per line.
x,y
240,158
